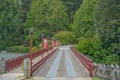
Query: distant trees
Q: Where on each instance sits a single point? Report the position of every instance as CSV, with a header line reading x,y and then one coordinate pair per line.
x,y
8,20
47,16
65,37
97,28
107,17
72,6
95,24
11,22
108,24
84,19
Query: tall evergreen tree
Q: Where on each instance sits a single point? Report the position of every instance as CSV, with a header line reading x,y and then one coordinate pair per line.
x,y
8,15
84,19
47,15
108,24
72,7
11,22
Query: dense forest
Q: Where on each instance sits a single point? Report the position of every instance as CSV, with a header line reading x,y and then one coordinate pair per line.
x,y
92,25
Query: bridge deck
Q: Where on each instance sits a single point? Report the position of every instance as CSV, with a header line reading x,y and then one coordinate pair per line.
x,y
62,65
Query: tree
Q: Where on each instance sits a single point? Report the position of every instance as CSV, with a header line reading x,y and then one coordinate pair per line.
x,y
108,26
12,22
84,19
8,15
47,15
72,7
90,47
65,37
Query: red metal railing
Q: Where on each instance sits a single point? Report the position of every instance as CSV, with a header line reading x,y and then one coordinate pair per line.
x,y
39,63
88,63
14,63
17,61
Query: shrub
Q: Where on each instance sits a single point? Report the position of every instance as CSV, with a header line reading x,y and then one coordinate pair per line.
x,y
65,37
90,47
18,49
34,49
96,78
111,59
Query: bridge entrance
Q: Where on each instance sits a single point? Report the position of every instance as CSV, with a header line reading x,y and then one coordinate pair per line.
x,y
61,65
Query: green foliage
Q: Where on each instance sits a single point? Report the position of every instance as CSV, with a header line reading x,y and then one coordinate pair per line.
x,y
100,18
47,15
34,49
11,22
108,18
84,19
72,7
55,17
90,46
18,49
65,37
96,78
111,59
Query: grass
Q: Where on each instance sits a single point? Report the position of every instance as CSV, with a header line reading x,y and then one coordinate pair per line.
x,y
96,78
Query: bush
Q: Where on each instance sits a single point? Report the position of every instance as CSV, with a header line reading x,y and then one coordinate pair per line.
x,y
90,47
96,78
34,49
111,59
18,49
65,37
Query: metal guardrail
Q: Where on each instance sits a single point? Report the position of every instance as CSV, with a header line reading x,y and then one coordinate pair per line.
x,y
39,63
12,64
88,63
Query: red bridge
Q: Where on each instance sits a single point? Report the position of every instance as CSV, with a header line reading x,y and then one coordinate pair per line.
x,y
62,63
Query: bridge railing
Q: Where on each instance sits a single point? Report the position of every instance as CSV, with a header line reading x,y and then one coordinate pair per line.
x,y
88,63
41,52
14,62
108,72
42,61
17,61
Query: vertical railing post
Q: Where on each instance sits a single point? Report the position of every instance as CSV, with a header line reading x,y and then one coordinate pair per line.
x,y
117,70
2,66
31,55
112,73
31,32
26,68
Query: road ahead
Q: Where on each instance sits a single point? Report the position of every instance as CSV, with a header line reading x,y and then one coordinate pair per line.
x,y
62,65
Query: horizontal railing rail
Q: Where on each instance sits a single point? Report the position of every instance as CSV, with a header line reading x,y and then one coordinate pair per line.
x,y
13,63
39,63
88,63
